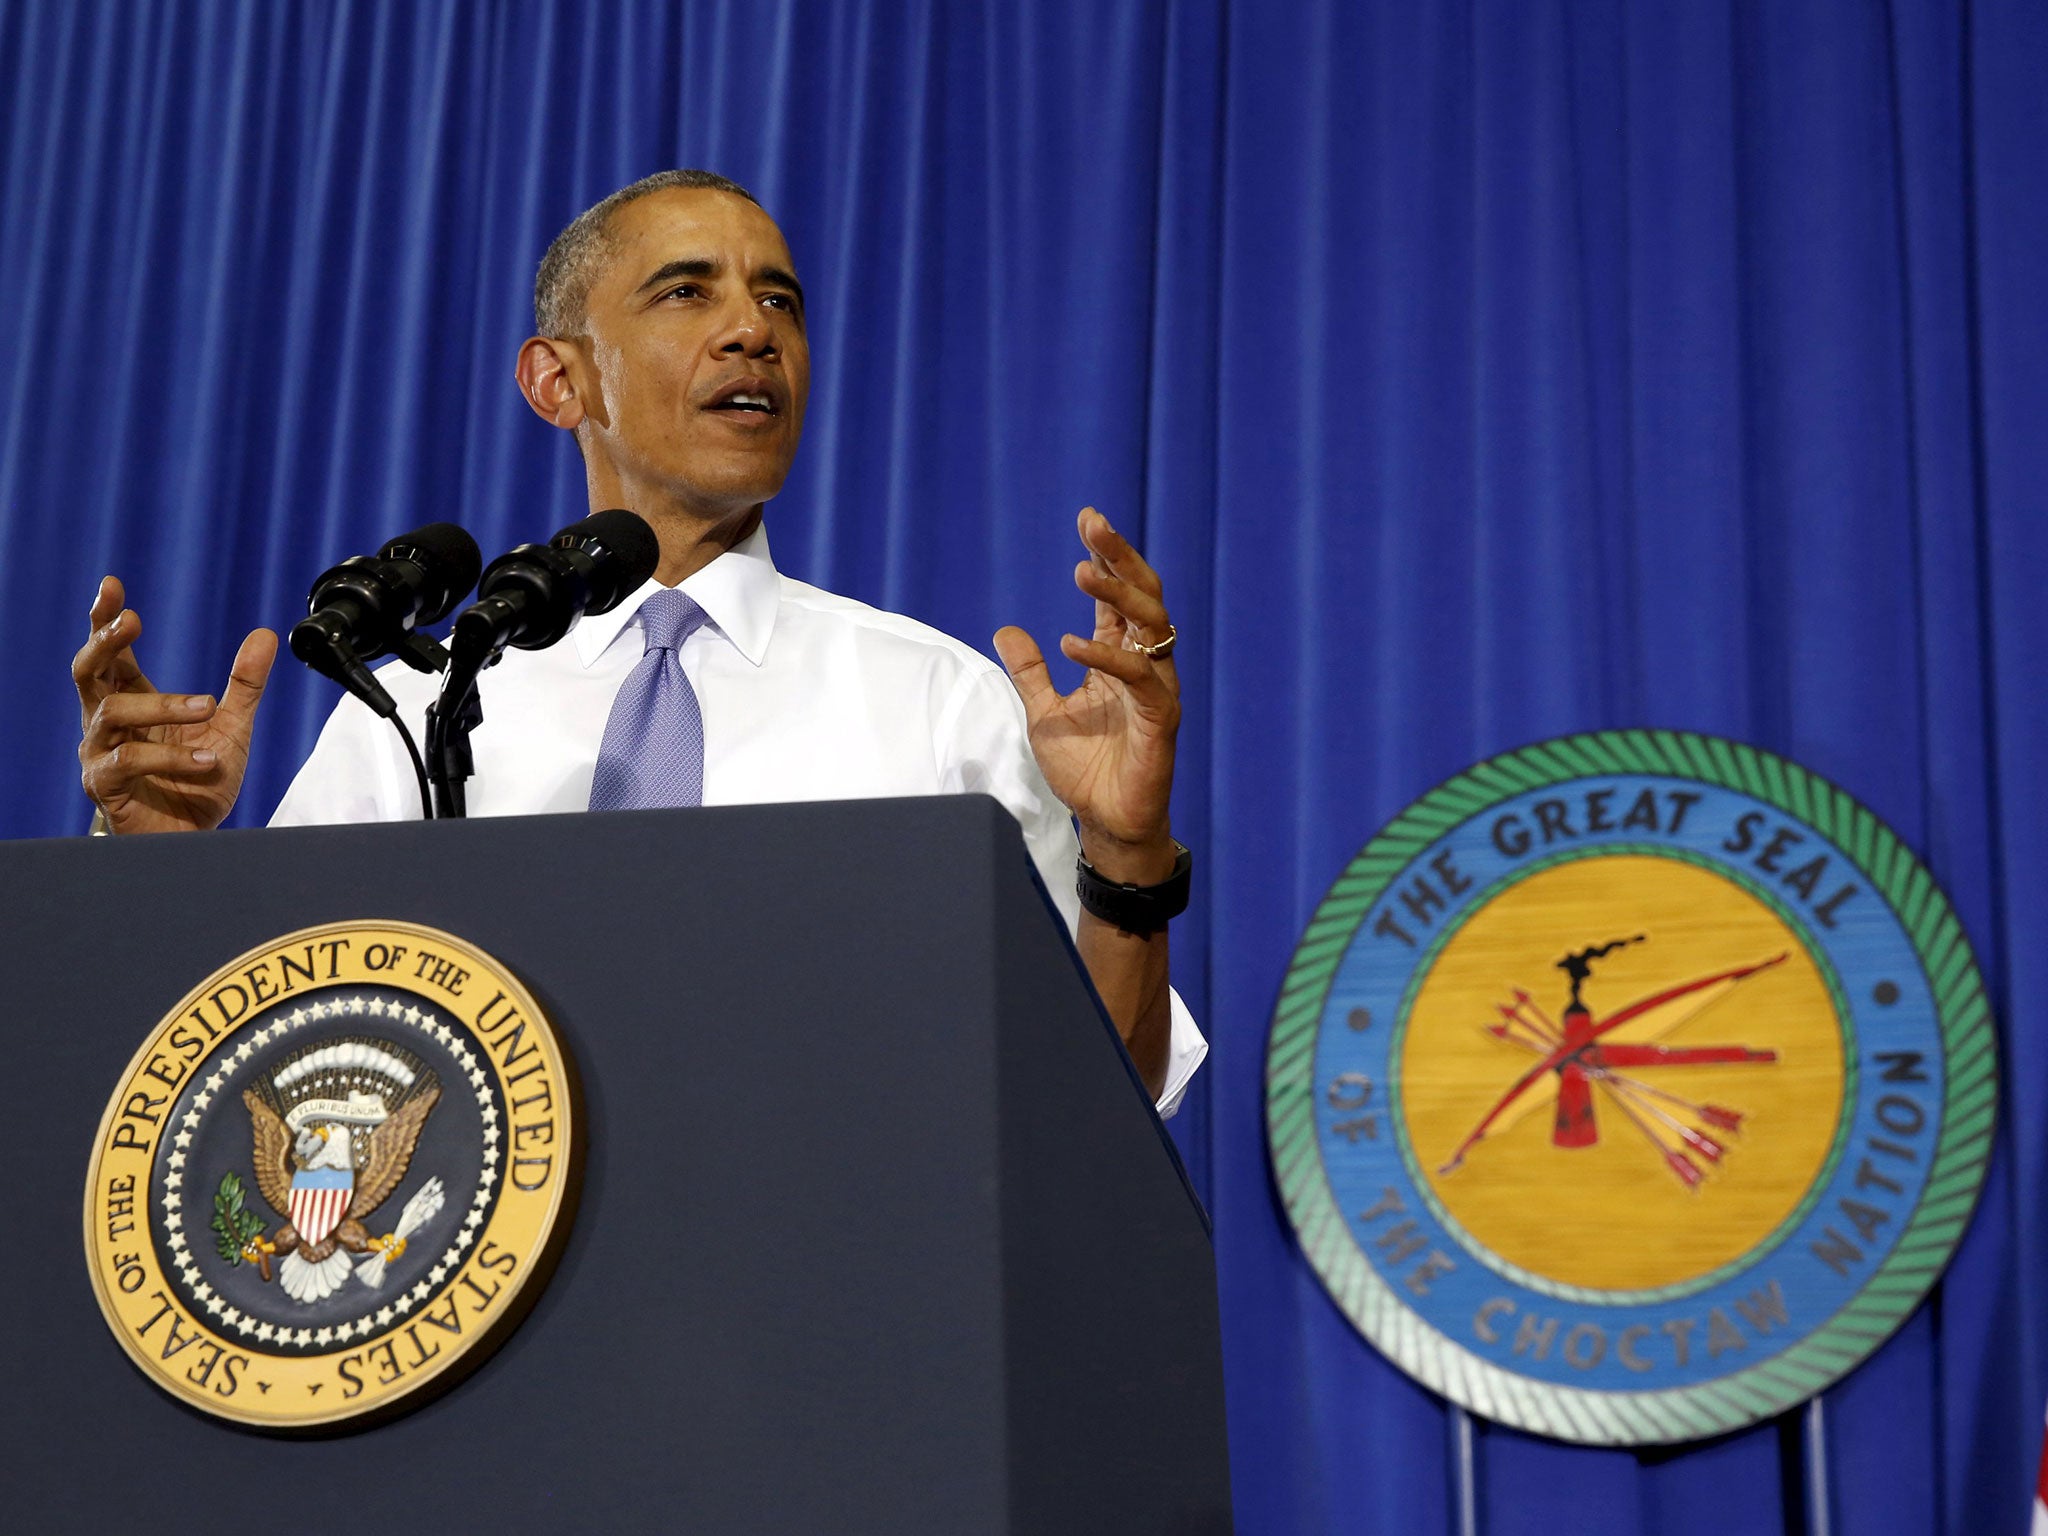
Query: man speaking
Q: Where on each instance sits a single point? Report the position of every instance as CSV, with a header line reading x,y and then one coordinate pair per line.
x,y
671,342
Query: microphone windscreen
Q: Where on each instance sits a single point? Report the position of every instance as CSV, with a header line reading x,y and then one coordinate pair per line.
x,y
625,551
452,563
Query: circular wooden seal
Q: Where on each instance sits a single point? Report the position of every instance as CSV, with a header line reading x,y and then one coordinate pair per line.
x,y
1631,1087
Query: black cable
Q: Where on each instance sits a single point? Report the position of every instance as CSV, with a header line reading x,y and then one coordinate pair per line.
x,y
419,768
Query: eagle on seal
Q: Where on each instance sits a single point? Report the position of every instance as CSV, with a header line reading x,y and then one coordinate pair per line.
x,y
334,1132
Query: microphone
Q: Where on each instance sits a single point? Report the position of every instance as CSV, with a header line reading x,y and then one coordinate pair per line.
x,y
529,598
533,596
368,606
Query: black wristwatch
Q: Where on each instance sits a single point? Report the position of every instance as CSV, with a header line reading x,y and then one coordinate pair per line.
x,y
1137,908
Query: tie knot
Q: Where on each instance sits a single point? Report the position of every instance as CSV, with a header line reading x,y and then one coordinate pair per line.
x,y
669,618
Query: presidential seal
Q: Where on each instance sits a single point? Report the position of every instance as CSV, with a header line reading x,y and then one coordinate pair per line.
x,y
1631,1087
332,1177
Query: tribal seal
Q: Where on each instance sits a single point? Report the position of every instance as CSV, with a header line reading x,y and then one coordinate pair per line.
x,y
1631,1087
333,1177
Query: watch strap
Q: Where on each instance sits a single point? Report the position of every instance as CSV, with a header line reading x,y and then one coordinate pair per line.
x,y
1137,908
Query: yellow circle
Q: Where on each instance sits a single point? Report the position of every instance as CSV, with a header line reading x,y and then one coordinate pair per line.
x,y
454,1312
1621,1213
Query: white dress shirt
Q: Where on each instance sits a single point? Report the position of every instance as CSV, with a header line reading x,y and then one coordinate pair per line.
x,y
806,696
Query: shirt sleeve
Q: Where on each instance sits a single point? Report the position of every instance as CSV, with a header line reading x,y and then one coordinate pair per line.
x,y
984,747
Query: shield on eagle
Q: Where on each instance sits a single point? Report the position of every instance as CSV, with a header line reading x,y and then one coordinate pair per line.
x,y
319,1200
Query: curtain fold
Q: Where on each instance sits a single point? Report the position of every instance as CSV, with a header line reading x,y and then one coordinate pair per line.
x,y
1473,374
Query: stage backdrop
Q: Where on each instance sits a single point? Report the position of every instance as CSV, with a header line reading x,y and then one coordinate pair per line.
x,y
1474,373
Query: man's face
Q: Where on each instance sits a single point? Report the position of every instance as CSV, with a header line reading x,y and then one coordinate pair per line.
x,y
696,338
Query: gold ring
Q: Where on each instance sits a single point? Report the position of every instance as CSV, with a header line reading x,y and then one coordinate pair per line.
x,y
1163,649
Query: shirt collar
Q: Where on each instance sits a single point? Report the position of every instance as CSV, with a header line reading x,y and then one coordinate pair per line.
x,y
739,592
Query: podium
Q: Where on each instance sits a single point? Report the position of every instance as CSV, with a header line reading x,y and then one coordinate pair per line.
x,y
877,1229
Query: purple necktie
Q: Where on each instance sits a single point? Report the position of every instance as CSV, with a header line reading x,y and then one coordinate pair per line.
x,y
653,751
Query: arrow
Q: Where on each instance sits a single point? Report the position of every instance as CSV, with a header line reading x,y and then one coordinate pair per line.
x,y
1558,1057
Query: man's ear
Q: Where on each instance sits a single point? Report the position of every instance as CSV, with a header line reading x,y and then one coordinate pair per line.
x,y
548,381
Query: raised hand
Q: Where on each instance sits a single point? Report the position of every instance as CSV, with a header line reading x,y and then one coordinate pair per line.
x,y
1106,749
160,762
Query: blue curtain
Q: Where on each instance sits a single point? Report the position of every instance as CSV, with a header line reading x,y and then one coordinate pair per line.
x,y
1475,373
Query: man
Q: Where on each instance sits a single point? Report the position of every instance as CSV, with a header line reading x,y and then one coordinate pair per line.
x,y
672,345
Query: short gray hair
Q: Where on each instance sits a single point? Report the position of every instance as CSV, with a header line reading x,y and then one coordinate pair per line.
x,y
561,289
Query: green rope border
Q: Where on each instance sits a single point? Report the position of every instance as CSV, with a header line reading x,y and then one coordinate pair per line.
x,y
1745,1397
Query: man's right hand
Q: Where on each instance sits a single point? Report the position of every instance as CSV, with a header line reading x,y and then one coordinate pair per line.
x,y
161,762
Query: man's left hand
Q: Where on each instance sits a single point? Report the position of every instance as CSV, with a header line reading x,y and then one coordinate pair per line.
x,y
1106,749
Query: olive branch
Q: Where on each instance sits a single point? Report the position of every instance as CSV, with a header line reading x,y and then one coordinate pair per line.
x,y
235,1226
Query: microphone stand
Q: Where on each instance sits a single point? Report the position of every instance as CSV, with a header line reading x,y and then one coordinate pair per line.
x,y
478,639
450,720
449,760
